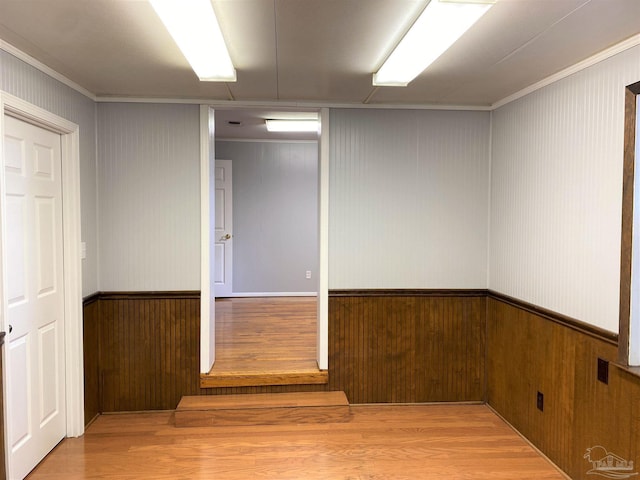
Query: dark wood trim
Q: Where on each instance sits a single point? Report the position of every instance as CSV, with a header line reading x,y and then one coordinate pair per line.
x,y
89,299
174,295
634,88
634,371
572,323
179,294
626,241
485,385
409,293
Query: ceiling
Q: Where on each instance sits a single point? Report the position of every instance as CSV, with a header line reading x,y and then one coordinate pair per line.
x,y
249,123
316,51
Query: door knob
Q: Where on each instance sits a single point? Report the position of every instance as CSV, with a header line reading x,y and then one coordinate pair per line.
x,y
225,237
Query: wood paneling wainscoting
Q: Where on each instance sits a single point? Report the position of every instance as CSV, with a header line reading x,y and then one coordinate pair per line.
x,y
141,353
408,346
531,350
90,335
142,349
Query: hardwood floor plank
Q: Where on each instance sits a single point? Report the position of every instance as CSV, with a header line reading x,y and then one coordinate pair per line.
x,y
264,400
263,378
382,441
265,341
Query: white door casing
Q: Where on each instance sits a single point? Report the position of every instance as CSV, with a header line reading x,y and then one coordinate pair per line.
x,y
207,207
322,339
223,232
36,409
70,365
207,301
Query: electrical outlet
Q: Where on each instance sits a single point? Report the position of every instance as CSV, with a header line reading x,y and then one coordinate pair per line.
x,y
540,401
603,371
308,274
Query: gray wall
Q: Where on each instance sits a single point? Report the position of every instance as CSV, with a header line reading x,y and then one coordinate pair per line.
x,y
149,192
30,84
275,215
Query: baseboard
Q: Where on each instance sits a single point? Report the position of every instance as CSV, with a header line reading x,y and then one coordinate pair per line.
x,y
529,442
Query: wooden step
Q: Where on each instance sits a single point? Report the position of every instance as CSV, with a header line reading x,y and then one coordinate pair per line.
x,y
262,409
216,379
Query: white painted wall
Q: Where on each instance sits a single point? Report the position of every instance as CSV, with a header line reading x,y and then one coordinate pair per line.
x,y
36,87
149,191
556,190
408,199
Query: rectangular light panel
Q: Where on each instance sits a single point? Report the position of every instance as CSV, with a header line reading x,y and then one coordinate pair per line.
x,y
195,29
292,125
436,29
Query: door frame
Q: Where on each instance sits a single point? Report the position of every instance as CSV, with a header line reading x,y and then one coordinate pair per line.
x,y
72,264
629,316
207,298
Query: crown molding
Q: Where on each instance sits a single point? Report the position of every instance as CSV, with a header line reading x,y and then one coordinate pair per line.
x,y
589,62
593,60
28,59
303,105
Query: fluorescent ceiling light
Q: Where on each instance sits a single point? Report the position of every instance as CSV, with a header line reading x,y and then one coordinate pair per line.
x,y
438,27
194,27
292,125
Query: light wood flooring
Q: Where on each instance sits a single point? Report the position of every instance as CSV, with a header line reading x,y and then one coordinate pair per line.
x,y
262,409
265,335
380,442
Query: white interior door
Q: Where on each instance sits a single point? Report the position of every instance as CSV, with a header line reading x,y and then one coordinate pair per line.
x,y
223,245
34,295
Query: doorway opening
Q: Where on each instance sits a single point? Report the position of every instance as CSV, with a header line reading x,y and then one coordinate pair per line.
x,y
267,270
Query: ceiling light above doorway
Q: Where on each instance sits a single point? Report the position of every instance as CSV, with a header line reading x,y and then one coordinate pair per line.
x,y
292,125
